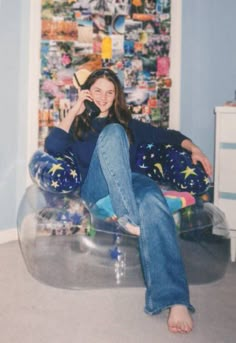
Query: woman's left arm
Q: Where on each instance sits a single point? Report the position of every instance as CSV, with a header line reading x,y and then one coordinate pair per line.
x,y
197,155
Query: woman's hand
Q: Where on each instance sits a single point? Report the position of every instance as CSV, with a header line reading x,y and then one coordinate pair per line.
x,y
79,106
198,156
76,110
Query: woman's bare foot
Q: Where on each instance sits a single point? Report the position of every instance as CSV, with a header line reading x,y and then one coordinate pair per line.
x,y
133,229
179,320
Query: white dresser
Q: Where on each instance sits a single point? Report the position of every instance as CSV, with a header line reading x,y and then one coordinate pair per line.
x,y
225,168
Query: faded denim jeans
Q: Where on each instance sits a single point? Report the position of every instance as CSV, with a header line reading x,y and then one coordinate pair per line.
x,y
137,199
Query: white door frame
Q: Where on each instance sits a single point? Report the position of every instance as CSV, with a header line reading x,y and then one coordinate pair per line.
x,y
33,80
175,63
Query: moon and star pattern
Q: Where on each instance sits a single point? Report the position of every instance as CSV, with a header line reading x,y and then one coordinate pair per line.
x,y
58,174
172,165
165,164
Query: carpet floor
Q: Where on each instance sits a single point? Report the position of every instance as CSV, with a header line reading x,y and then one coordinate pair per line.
x,y
32,312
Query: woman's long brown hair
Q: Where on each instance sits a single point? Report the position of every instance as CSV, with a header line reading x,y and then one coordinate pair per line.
x,y
118,113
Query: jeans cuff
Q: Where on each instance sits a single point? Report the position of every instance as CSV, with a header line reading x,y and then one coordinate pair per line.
x,y
124,220
161,309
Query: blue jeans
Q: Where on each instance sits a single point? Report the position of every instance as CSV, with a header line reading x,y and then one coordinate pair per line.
x,y
137,199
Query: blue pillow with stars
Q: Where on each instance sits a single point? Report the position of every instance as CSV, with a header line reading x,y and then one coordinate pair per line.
x,y
172,165
182,173
150,160
56,174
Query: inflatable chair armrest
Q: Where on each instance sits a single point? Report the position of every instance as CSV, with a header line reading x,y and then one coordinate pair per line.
x,y
56,174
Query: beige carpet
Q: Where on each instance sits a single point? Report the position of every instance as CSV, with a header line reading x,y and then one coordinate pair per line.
x,y
32,312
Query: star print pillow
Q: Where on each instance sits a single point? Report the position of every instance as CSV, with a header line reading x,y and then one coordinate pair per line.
x,y
182,173
172,165
58,174
150,159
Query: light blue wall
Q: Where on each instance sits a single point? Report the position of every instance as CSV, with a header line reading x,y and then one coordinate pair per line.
x,y
208,66
13,98
208,79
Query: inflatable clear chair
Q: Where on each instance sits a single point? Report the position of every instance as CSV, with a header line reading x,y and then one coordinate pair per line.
x,y
64,246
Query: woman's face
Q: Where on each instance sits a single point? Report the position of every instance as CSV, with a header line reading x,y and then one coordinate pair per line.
x,y
103,94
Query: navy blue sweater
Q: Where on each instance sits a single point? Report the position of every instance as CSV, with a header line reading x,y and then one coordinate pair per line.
x,y
59,141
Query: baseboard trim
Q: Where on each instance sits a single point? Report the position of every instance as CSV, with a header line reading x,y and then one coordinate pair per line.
x,y
8,235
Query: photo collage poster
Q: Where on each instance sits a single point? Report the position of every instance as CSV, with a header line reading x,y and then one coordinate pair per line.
x,y
132,37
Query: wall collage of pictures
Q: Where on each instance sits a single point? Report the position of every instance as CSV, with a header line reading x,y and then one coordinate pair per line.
x,y
132,37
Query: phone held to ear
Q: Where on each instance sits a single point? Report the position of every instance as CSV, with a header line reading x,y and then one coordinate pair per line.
x,y
92,109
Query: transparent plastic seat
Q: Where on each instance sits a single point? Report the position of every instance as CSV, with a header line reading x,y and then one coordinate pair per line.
x,y
64,246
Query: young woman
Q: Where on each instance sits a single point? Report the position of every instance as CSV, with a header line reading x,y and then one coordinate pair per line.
x,y
105,147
